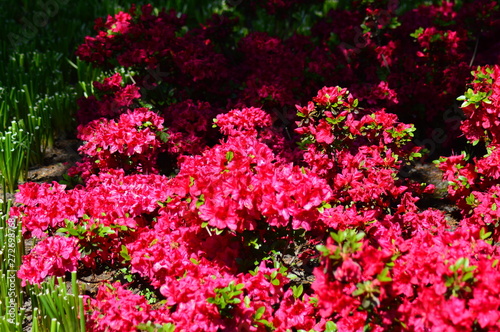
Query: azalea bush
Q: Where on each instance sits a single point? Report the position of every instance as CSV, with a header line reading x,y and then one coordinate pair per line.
x,y
236,180
132,143
473,180
412,62
372,259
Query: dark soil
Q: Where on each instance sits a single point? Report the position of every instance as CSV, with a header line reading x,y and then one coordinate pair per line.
x,y
431,174
56,162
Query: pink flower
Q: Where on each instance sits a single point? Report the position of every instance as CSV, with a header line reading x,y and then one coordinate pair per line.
x,y
53,256
116,309
323,132
349,271
132,142
237,122
331,95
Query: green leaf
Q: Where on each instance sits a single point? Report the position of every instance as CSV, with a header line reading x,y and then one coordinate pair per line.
x,y
229,156
200,201
124,253
360,290
163,137
330,327
297,291
467,276
324,205
382,276
483,234
103,231
259,313
471,199
62,230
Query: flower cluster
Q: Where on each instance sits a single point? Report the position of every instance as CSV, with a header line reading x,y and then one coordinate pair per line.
x,y
245,121
126,29
100,216
355,150
106,311
131,143
413,65
110,101
53,256
151,44
480,106
469,181
241,182
473,184
385,264
352,283
451,272
189,127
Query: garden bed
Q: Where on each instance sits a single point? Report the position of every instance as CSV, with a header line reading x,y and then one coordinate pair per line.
x,y
248,173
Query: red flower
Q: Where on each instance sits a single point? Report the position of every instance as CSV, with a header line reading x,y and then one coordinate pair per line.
x,y
53,256
116,309
323,132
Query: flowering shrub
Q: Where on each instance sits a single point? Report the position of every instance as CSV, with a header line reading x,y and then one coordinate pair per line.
x,y
111,100
240,195
374,271
131,143
248,233
352,283
53,256
116,309
189,127
355,150
473,184
414,64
